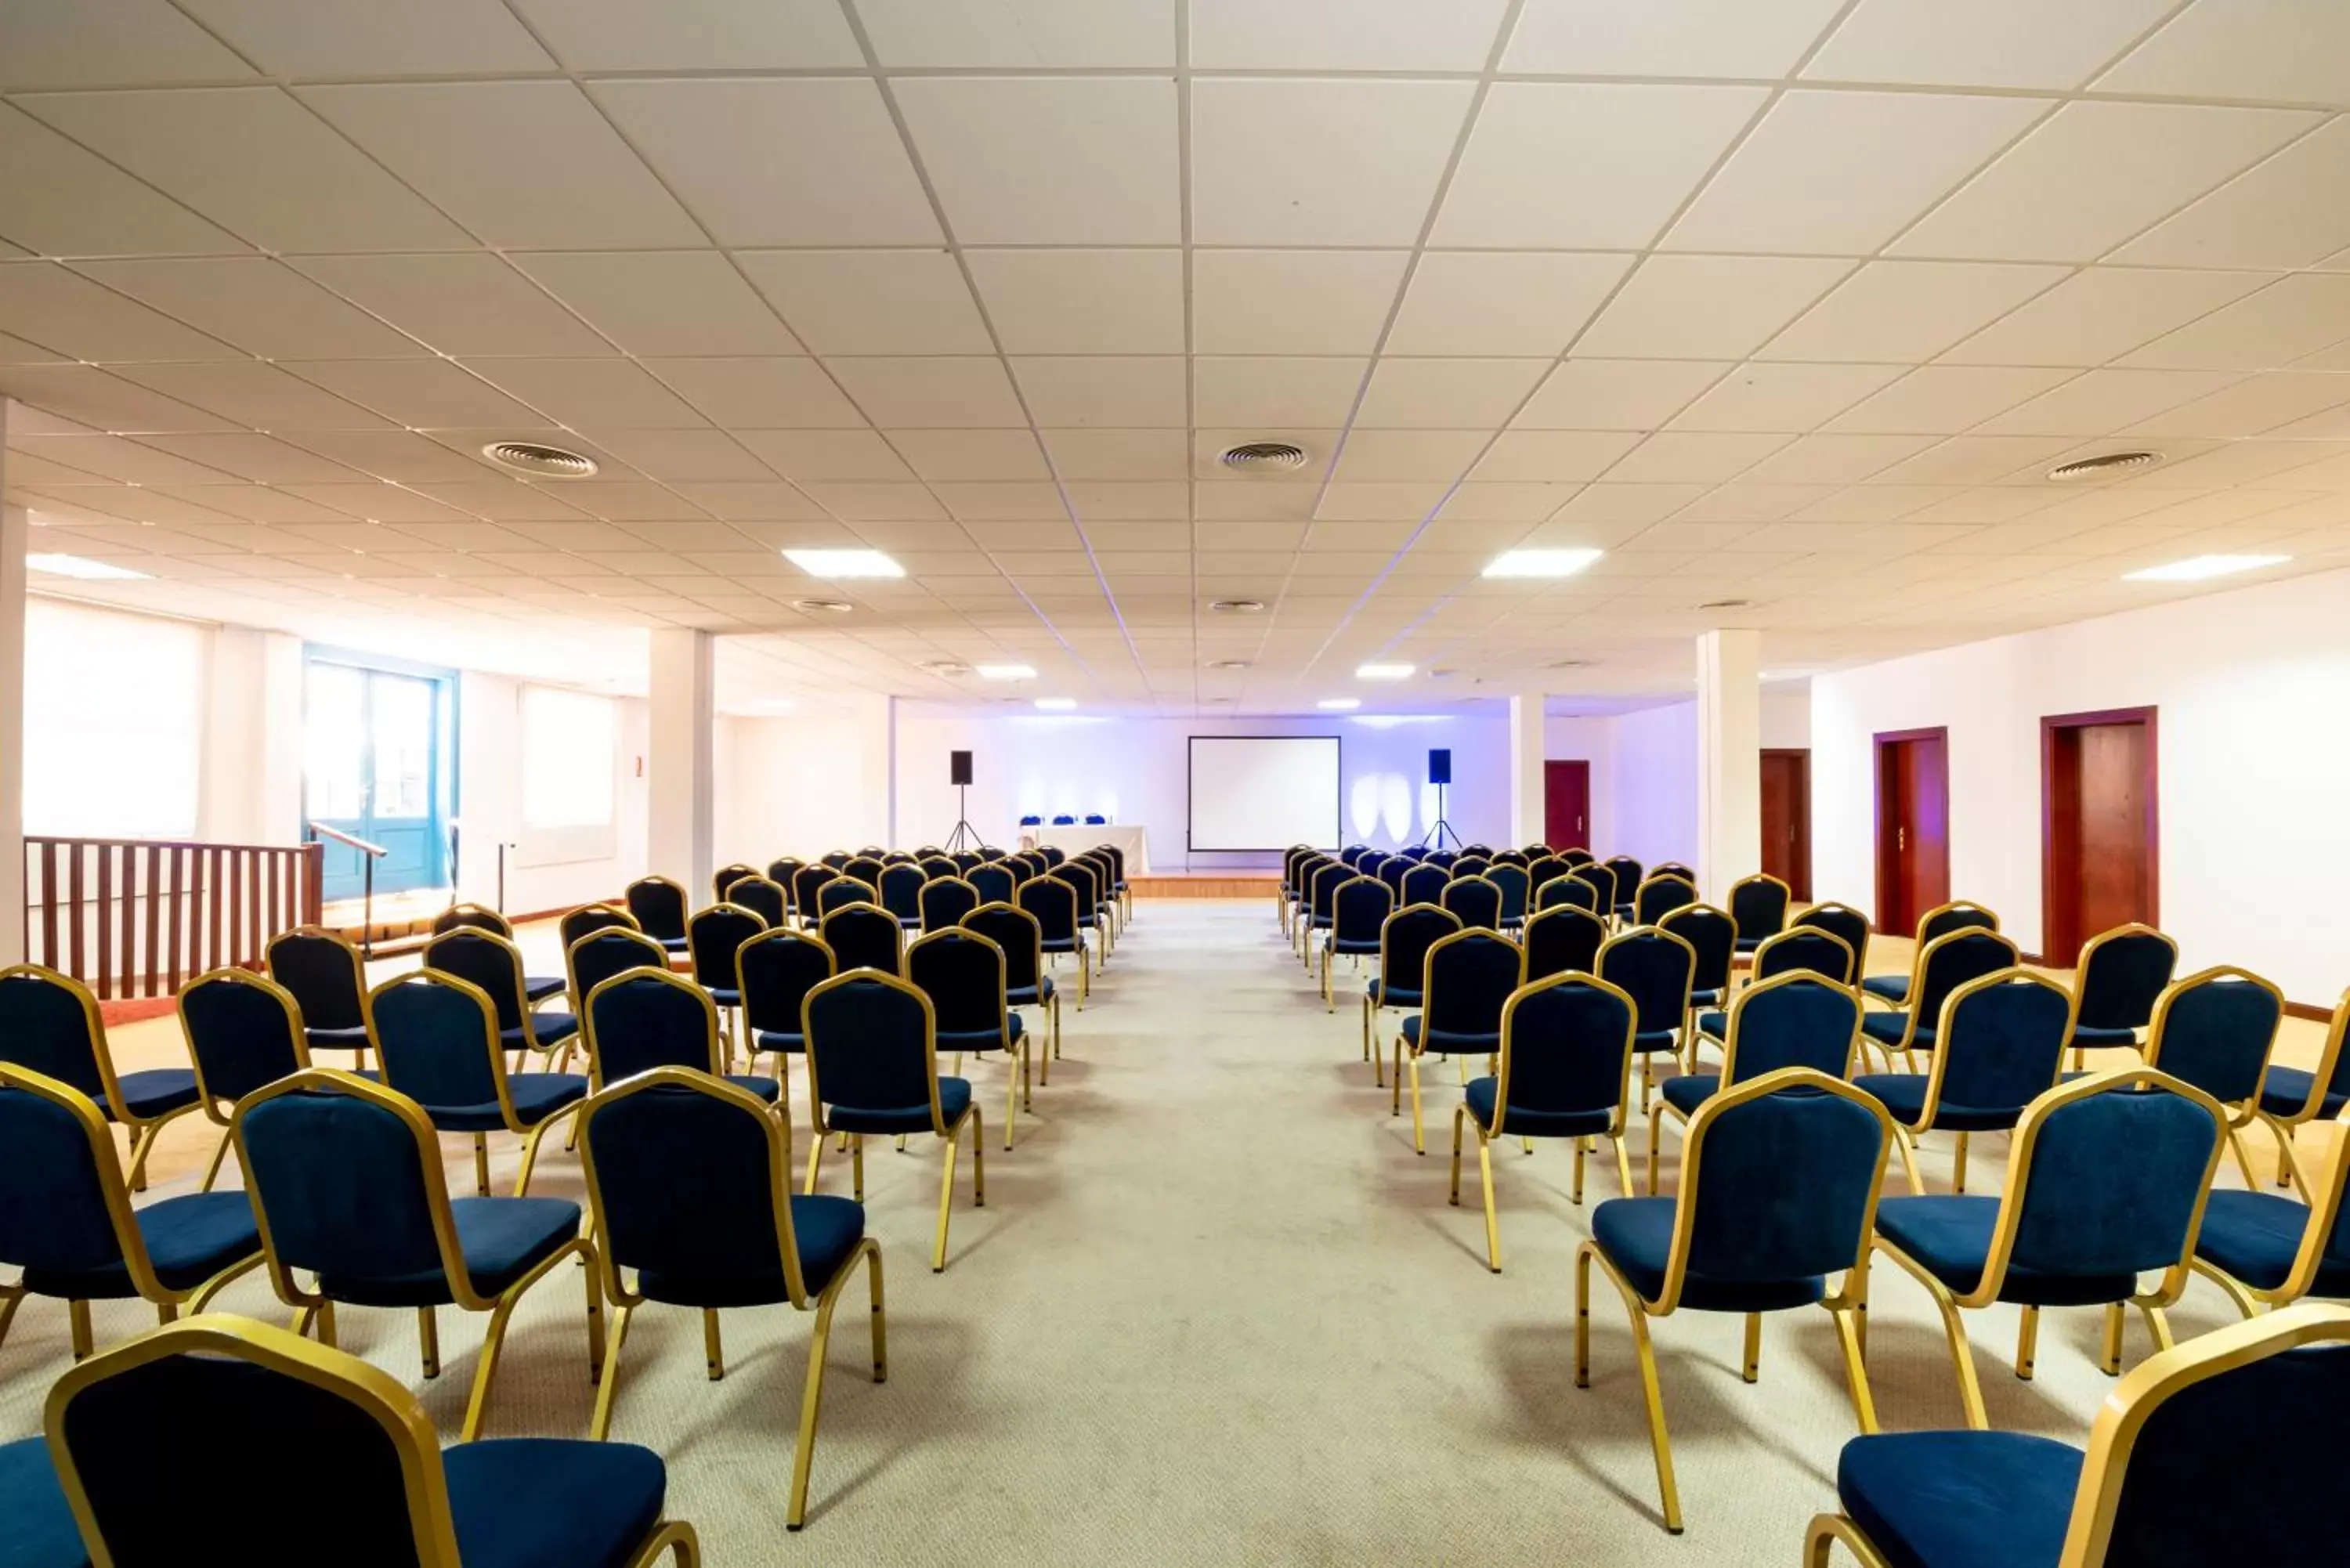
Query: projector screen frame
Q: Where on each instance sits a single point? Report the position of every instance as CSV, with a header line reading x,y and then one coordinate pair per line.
x,y
1337,793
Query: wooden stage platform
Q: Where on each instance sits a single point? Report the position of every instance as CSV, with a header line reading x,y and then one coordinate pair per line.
x,y
1206,885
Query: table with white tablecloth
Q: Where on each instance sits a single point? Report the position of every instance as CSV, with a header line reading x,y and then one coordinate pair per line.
x,y
1131,841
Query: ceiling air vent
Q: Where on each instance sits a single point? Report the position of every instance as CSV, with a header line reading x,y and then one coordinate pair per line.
x,y
1236,607
1228,664
1264,456
2104,466
545,461
1725,604
1568,664
822,606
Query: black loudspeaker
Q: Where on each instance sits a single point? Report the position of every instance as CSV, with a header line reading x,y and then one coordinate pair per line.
x,y
1439,765
958,765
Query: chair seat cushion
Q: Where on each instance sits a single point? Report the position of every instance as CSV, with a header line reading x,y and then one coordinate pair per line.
x,y
539,987
1383,995
826,1229
36,1526
779,1040
1889,987
1951,1235
535,1095
2285,1091
1686,1092
1637,1234
158,1091
189,1238
2093,1038
1060,944
549,1028
1356,945
1448,1041
1650,1040
724,995
1035,995
552,1502
1904,1094
1523,1122
768,1089
2255,1236
1714,1024
1710,997
670,944
352,1039
502,1239
1890,1028
1961,1500
1745,944
955,1098
983,1039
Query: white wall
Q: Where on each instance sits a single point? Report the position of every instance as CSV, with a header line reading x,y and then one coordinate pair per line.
x,y
1652,787
252,761
1591,740
805,786
545,869
2252,689
1786,716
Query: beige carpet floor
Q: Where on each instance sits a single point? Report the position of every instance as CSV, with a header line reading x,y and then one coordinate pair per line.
x,y
1217,1312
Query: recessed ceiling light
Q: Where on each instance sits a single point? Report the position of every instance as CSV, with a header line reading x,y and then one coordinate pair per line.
x,y
945,667
1237,606
1725,604
822,606
843,563
1540,563
2103,466
1055,704
1007,672
80,567
2196,568
1383,671
541,461
1340,704
1228,664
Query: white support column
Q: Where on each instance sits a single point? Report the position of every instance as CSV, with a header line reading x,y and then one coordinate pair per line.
x,y
1729,759
15,527
683,767
877,735
1526,755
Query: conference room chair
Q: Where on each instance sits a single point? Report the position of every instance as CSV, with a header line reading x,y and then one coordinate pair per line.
x,y
1848,925
1712,936
1602,883
598,957
837,859
804,884
1944,965
1095,863
1517,857
347,1184
1811,948
2106,1182
1477,901
590,918
2120,976
242,1031
49,1023
866,868
841,893
962,973
1286,891
1563,940
1051,855
1466,982
1391,873
1512,882
660,907
873,1068
437,1042
1121,891
1021,937
1780,1178
945,900
1405,936
1470,865
725,877
36,1524
775,971
68,1227
1674,868
1565,1063
783,867
1658,896
657,1018
1628,875
1484,849
1793,1021
324,970
2291,1097
1425,884
965,860
473,918
1999,1045
1759,905
1359,910
495,964
1656,969
1054,905
1543,871
994,883
2162,1481
2265,1250
770,901
1959,915
901,893
712,937
1568,892
1315,910
2215,1028
1092,916
1371,865
1447,859
1350,853
937,863
690,1183
1574,856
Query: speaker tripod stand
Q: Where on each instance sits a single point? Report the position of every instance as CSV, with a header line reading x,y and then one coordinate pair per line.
x,y
964,836
1442,830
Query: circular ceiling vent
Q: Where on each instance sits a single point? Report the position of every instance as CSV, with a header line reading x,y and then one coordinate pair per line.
x,y
946,667
2103,466
1228,664
544,462
1569,664
822,606
1264,456
1725,604
1237,606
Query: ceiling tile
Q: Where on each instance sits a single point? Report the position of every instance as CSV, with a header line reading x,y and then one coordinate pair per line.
x,y
1016,501
93,398
1789,398
2099,401
1943,400
694,34
1666,38
927,393
872,302
1453,394
1343,34
749,500
2292,317
1408,454
1617,394
1359,160
1316,393
253,393
1515,501
421,393
126,461
258,502
583,393
131,41
1037,160
45,304
1378,502
401,455
1089,454
588,189
1692,457
360,37
504,501
259,306
1104,389
855,501
1501,302
1985,43
2284,212
1293,302
2099,314
1907,311
1836,459
987,454
2290,49
663,302
61,200
1154,501
1082,301
753,394
2093,174
1021,33
2251,407
258,458
1706,307
473,304
1553,456
827,454
675,456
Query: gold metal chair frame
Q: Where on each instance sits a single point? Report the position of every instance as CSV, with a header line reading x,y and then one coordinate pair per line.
x,y
209,1102
1328,1003
129,1239
725,877
1918,953
350,951
1441,900
938,1126
1907,1045
1701,911
2152,1303
1661,1108
824,932
530,1133
1407,1054
1848,1306
384,1398
1302,927
1084,985
685,899
625,1302
1049,1005
717,1059
1937,1065
2088,951
2289,1170
142,1130
924,904
2243,1113
1786,904
1688,979
1795,922
523,1008
461,917
1016,1098
1486,1134
1851,981
611,917
2325,1201
1371,1053
749,1035
733,976
316,1313
1652,879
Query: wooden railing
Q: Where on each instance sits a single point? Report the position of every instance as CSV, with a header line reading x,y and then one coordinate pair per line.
x,y
368,854
136,917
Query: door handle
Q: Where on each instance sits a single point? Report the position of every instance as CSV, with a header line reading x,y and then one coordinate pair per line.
x,y
1900,838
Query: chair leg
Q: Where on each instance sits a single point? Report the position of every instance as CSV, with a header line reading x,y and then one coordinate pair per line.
x,y
2157,1323
11,1298
141,1144
1575,1194
2027,1343
2243,1160
1460,1116
1852,1323
1492,1219
428,1339
2288,1171
1958,1166
1656,1137
946,1195
530,1145
815,1158
481,1164
856,1167
491,1343
2111,1362
1419,1139
2244,1300
811,1396
1752,1369
1905,1145
1395,1085
84,1342
1623,1166
1012,1094
1954,1328
713,1346
1651,1394
600,1425
1328,1003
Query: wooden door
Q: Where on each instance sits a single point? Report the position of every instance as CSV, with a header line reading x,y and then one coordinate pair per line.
x,y
2098,830
1566,805
1787,818
1913,833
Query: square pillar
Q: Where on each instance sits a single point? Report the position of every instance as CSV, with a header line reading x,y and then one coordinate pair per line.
x,y
15,529
1729,760
681,769
1526,756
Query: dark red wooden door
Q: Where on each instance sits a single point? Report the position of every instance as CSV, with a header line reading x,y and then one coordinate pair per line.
x,y
1913,832
1787,818
1566,805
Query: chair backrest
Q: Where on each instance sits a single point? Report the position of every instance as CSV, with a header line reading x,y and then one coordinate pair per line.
x,y
323,972
1567,891
600,955
804,883
1566,1045
1517,857
775,971
1712,935
1627,872
2105,1176
867,869
1425,884
64,1208
650,1018
2121,975
1759,905
1796,1019
872,1044
1999,1041
1512,882
346,1179
1563,939
1405,938
1467,981
1321,886
783,867
1574,855
1477,901
1845,922
1950,962
658,904
837,859
864,936
1660,895
945,900
712,937
1392,871
1018,935
2215,1029
842,892
1360,909
1080,877
1656,969
723,880
1673,868
936,866
1806,949
1470,866
1053,903
992,883
590,918
1602,882
1051,855
1544,870
962,973
1063,819
488,960
1351,853
1959,915
473,918
770,900
902,890
436,1038
243,1032
50,1023
966,861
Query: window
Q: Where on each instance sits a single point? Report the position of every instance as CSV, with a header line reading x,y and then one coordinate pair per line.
x,y
568,746
114,713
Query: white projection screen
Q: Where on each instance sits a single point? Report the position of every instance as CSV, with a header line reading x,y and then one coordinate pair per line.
x,y
1257,793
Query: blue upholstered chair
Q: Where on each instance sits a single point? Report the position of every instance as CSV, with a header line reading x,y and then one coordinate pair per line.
x,y
1627,874
901,893
1021,938
1844,922
1568,891
837,859
1791,1021
1470,864
2120,976
49,1023
1712,935
2291,1097
994,883
2106,1182
1565,1065
1392,871
690,1182
1093,920
937,863
864,936
2265,1251
1467,980
324,970
725,877
1105,921
840,893
1660,895
945,900
1477,901
1574,855
1514,885
587,920
437,1040
1759,906
2184,1466
1054,905
1517,857
1602,882
770,900
1656,969
601,954
873,1067
1813,950
1542,870
962,974
1120,892
659,906
1315,906
2000,1045
243,1032
1064,819
347,1184
712,936
1674,868
866,866
775,971
355,1473
1944,964
537,987
1358,913
1032,820
2215,1028
1405,938
648,1018
1779,1186
1941,920
783,869
804,883
1425,884
36,1524
494,964
68,1226
1565,940
1289,888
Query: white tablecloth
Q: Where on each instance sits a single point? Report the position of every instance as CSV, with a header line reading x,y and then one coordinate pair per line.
x,y
1130,841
